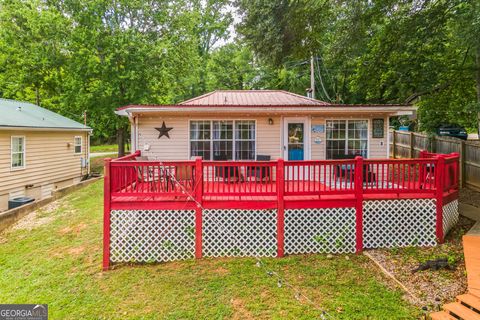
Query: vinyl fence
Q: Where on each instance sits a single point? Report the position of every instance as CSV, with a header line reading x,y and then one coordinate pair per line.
x,y
409,144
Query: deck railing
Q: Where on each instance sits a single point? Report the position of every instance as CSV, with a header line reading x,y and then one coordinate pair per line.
x,y
260,180
133,184
243,178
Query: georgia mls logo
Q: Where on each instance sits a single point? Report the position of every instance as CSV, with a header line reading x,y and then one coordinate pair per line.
x,y
23,312
40,311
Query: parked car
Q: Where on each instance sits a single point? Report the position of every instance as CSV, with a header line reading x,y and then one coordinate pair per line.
x,y
452,130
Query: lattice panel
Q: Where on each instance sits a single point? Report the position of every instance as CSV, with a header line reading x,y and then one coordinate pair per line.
x,y
152,235
234,232
320,230
399,223
450,216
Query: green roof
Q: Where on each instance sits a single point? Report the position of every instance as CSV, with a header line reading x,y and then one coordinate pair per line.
x,y
23,114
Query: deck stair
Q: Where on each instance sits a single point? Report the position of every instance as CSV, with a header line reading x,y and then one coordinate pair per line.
x,y
467,306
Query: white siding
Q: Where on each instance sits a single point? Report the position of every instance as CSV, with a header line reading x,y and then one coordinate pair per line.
x,y
177,147
268,136
50,158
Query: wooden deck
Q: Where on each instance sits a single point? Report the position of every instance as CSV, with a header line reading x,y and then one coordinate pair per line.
x,y
467,306
278,188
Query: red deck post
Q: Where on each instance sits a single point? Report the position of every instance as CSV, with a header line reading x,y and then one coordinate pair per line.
x,y
439,184
359,202
106,214
198,209
280,208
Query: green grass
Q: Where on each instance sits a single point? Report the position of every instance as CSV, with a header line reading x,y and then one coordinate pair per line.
x,y
59,263
104,148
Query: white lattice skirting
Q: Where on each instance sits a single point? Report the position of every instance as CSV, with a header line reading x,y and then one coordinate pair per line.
x,y
399,223
320,230
235,232
152,235
168,235
450,215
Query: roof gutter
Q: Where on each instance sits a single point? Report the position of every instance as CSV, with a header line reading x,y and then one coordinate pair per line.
x,y
398,110
4,127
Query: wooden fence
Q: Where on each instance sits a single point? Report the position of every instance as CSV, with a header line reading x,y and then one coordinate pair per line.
x,y
409,144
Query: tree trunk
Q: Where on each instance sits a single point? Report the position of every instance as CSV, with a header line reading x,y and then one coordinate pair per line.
x,y
121,141
477,78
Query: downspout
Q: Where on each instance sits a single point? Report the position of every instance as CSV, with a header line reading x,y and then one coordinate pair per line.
x,y
136,135
133,132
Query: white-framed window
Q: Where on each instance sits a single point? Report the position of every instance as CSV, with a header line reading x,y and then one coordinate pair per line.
x,y
200,139
223,139
245,140
347,137
77,144
17,152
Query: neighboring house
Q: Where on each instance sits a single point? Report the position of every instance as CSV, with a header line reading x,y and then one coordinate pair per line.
x,y
241,124
40,151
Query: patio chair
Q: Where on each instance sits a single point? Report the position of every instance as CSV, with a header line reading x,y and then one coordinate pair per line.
x,y
227,173
150,175
345,170
260,173
185,176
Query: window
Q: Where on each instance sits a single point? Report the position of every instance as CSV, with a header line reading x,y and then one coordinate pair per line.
x,y
245,140
77,144
223,139
18,153
347,137
200,139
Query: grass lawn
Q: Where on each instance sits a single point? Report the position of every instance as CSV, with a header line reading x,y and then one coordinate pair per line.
x,y
104,148
54,257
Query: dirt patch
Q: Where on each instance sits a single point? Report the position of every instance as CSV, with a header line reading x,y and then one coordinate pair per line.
x,y
73,229
221,271
431,287
76,251
239,310
31,221
37,218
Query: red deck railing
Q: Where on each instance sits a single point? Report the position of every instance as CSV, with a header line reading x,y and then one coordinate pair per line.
x,y
146,181
195,185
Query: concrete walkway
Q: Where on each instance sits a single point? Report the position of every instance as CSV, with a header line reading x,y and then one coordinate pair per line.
x,y
469,211
103,154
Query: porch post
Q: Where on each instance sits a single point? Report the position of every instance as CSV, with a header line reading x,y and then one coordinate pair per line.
x,y
359,203
439,184
106,214
198,208
280,208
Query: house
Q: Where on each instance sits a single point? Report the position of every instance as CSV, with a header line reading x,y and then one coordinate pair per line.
x,y
40,151
240,125
269,173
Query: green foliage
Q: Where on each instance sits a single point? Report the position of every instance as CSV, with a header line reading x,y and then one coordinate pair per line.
x,y
375,52
97,55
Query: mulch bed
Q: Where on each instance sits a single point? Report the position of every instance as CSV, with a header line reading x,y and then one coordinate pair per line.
x,y
431,287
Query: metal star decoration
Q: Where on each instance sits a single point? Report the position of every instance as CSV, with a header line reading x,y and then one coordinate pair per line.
x,y
163,131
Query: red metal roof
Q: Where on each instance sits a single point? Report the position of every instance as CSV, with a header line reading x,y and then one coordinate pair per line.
x,y
257,98
252,98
